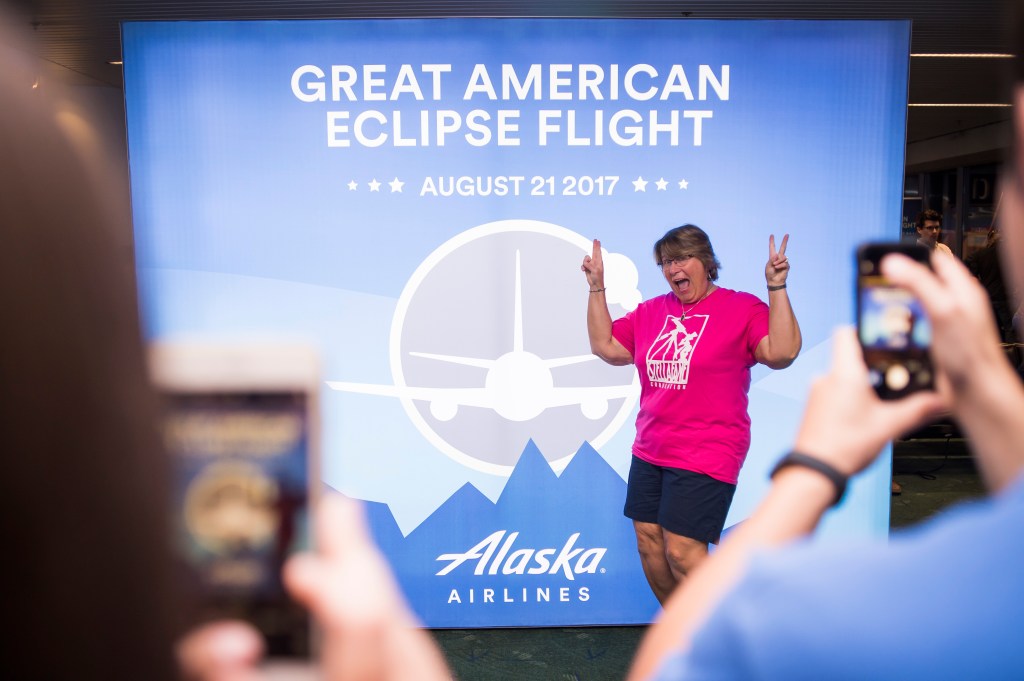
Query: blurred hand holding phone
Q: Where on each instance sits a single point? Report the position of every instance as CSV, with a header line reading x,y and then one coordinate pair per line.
x,y
241,422
894,332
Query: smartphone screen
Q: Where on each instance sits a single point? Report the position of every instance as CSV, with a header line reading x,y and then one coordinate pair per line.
x,y
892,326
242,500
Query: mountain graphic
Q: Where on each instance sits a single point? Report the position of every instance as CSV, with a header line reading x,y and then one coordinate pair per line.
x,y
552,551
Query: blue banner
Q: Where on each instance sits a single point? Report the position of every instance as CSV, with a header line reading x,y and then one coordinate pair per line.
x,y
415,197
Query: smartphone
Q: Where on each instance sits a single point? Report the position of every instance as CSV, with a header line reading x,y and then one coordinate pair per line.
x,y
241,424
894,331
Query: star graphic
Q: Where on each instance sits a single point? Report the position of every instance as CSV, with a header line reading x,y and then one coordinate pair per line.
x,y
396,185
352,185
683,184
374,185
662,184
639,184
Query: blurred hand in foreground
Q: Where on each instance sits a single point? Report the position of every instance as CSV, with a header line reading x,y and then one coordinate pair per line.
x,y
368,632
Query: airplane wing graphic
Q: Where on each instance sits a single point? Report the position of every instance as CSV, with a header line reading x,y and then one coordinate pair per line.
x,y
518,385
444,401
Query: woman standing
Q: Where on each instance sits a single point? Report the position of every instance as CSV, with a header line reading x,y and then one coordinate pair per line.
x,y
694,348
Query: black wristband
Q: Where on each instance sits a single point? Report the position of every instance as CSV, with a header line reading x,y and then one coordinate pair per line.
x,y
777,288
835,477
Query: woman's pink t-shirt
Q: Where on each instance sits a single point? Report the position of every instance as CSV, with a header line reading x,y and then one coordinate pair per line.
x,y
694,377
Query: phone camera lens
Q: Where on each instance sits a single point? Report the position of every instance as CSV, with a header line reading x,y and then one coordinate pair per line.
x,y
897,377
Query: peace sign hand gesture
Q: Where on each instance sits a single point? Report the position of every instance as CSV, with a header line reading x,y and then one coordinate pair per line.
x,y
593,267
777,269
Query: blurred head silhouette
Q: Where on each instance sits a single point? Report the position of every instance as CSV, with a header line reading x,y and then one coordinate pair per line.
x,y
82,492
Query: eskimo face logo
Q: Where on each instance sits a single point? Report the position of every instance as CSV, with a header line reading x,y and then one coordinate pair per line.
x,y
231,505
489,347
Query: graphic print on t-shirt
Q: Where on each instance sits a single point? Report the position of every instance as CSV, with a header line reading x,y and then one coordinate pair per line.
x,y
668,359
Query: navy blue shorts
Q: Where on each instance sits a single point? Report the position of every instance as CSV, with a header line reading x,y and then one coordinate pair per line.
x,y
689,504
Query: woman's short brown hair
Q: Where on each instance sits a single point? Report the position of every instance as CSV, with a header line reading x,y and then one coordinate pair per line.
x,y
688,241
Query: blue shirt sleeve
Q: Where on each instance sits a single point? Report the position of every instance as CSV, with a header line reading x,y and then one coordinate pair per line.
x,y
943,601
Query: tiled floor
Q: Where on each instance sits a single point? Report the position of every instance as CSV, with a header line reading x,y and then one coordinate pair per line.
x,y
570,654
933,475
931,482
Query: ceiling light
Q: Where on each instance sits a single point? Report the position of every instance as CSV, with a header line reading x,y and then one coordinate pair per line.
x,y
963,105
963,55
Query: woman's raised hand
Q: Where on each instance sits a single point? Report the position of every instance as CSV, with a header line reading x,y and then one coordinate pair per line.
x,y
777,269
593,267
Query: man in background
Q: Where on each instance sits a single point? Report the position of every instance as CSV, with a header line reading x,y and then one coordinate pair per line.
x,y
929,228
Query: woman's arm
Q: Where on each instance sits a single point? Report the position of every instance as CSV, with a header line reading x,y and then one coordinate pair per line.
x,y
782,344
599,320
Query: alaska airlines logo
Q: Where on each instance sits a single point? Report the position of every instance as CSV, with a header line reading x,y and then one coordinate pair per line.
x,y
492,555
668,360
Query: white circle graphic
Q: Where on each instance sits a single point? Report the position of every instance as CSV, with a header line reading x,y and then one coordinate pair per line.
x,y
489,347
